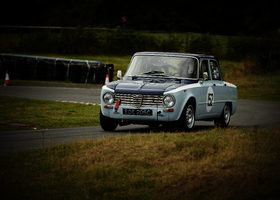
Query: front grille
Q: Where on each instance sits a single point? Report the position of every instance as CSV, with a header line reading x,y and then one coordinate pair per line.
x,y
133,100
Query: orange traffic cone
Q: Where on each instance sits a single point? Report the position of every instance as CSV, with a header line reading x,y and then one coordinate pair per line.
x,y
107,79
7,79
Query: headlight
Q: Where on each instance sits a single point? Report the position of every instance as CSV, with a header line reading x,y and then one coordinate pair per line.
x,y
108,98
168,100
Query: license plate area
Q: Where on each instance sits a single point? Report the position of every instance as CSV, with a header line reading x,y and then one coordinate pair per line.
x,y
142,112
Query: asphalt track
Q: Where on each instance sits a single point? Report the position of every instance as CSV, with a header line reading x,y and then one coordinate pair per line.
x,y
249,114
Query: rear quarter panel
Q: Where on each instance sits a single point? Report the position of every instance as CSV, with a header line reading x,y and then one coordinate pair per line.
x,y
231,96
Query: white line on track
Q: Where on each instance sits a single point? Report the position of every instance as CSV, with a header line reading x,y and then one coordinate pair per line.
x,y
86,103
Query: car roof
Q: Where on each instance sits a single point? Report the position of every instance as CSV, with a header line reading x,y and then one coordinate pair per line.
x,y
172,54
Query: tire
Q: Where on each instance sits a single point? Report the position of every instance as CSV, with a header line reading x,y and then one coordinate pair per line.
x,y
224,119
187,118
107,124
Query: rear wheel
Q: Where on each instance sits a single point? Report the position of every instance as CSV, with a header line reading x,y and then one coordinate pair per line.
x,y
224,119
107,124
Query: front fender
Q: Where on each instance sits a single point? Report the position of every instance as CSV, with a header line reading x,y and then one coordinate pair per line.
x,y
182,96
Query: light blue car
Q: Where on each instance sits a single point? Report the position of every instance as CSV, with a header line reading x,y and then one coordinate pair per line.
x,y
169,89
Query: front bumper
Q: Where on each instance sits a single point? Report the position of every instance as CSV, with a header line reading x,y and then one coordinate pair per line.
x,y
158,113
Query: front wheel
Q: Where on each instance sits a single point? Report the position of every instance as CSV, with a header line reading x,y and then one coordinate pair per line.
x,y
224,119
107,124
187,118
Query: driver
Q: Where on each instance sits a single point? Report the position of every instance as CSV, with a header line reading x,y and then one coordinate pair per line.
x,y
187,70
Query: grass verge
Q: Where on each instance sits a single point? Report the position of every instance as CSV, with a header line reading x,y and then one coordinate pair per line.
x,y
255,85
21,113
215,164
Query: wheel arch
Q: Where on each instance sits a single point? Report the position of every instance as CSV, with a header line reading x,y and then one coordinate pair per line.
x,y
183,121
191,100
183,104
230,106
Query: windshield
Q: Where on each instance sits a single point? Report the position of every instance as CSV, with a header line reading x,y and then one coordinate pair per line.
x,y
163,66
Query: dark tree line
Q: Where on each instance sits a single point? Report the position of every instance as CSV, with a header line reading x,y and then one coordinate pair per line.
x,y
214,17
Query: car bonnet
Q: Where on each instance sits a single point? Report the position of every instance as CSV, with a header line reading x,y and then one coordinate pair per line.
x,y
148,87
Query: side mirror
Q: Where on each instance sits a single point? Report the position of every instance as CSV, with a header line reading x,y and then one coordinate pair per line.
x,y
119,74
205,76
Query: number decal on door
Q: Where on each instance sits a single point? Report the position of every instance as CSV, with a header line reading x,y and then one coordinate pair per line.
x,y
209,99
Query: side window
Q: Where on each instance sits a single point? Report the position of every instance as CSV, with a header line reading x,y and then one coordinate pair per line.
x,y
203,68
215,71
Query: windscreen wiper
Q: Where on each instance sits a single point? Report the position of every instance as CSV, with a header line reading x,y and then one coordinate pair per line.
x,y
154,72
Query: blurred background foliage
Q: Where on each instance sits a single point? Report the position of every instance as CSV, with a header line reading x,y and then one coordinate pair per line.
x,y
126,42
236,18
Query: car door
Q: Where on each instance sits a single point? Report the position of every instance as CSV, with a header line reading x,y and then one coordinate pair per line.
x,y
218,87
205,101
